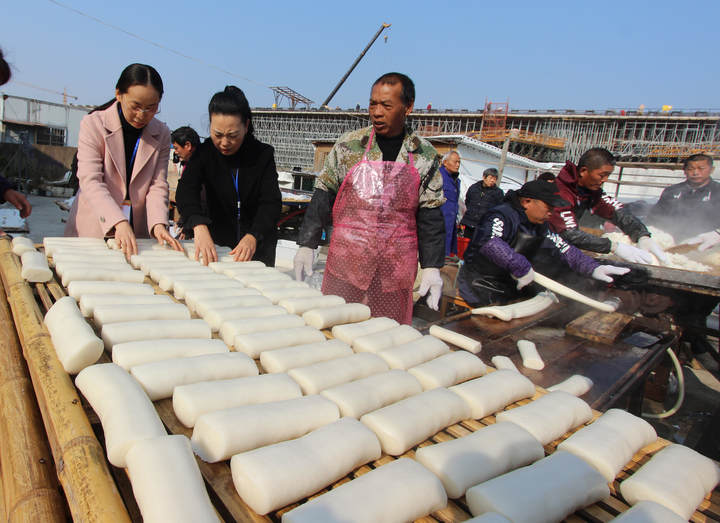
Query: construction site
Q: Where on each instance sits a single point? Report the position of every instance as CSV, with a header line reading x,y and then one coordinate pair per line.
x,y
635,137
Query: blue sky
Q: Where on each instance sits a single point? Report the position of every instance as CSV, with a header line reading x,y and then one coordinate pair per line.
x,y
535,54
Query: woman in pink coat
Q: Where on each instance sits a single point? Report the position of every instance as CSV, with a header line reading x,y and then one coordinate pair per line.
x,y
122,136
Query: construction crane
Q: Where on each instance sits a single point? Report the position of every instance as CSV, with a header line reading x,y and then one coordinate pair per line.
x,y
64,92
357,61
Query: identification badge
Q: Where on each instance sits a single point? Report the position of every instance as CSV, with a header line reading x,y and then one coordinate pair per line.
x,y
126,208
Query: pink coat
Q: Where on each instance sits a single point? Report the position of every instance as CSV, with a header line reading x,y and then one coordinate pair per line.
x,y
101,173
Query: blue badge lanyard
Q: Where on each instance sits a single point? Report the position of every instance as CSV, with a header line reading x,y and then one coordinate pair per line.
x,y
132,163
237,191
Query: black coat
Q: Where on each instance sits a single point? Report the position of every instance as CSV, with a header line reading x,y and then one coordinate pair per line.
x,y
479,200
260,198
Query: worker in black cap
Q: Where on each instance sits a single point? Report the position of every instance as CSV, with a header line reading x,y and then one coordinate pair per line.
x,y
499,261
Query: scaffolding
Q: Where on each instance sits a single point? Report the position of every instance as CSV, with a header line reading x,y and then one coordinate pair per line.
x,y
543,137
293,97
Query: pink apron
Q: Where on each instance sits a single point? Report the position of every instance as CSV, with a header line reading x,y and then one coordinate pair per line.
x,y
373,249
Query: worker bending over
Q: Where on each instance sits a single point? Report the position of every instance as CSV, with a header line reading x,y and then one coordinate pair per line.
x,y
581,187
384,190
499,261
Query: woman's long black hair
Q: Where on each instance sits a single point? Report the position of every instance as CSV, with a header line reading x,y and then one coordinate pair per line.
x,y
232,101
135,74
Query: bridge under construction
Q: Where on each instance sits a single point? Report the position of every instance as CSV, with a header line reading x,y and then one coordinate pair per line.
x,y
550,136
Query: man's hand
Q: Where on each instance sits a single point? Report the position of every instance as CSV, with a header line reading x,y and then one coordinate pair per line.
x,y
245,249
606,272
204,245
162,235
125,238
431,281
303,263
18,201
526,279
633,254
648,244
706,240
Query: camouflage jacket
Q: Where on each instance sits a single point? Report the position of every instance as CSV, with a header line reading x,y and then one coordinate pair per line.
x,y
349,149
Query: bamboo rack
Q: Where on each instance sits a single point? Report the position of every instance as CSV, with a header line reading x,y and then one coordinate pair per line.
x,y
30,488
79,459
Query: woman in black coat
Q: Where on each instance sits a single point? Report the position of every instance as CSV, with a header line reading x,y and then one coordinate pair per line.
x,y
241,185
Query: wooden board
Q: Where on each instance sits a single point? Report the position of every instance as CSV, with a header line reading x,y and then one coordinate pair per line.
x,y
231,507
598,326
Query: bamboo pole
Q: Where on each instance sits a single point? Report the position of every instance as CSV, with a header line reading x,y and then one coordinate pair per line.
x,y
80,461
30,488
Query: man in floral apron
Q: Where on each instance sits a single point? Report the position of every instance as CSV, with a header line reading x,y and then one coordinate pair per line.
x,y
381,189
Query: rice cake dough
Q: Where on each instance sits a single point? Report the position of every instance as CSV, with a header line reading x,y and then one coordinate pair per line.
x,y
89,301
544,492
677,477
272,477
159,378
350,331
577,385
325,374
78,289
503,363
126,413
301,305
530,357
219,435
448,369
167,483
106,314
134,353
482,455
76,344
611,441
126,331
404,424
282,360
414,353
550,416
493,392
356,398
399,491
256,343
385,339
329,317
35,267
192,401
231,328
457,339
648,512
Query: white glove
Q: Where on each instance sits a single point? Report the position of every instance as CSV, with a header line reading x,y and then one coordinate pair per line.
x,y
633,254
431,281
303,262
706,240
525,279
649,244
606,272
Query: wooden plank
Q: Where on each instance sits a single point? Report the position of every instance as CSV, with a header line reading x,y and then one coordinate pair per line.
x,y
598,326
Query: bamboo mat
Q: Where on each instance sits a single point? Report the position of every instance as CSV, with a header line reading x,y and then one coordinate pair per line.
x,y
230,506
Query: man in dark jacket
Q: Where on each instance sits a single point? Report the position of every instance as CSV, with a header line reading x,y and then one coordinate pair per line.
x,y
450,169
692,207
499,261
581,186
479,199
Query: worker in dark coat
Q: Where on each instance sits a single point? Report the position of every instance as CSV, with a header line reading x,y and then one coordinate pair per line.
x,y
479,199
450,169
581,186
240,180
499,260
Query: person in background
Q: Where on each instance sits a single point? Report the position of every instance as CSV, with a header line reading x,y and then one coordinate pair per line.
x,y
184,141
690,209
384,189
684,210
240,180
479,199
450,169
499,261
547,176
7,190
123,153
581,187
